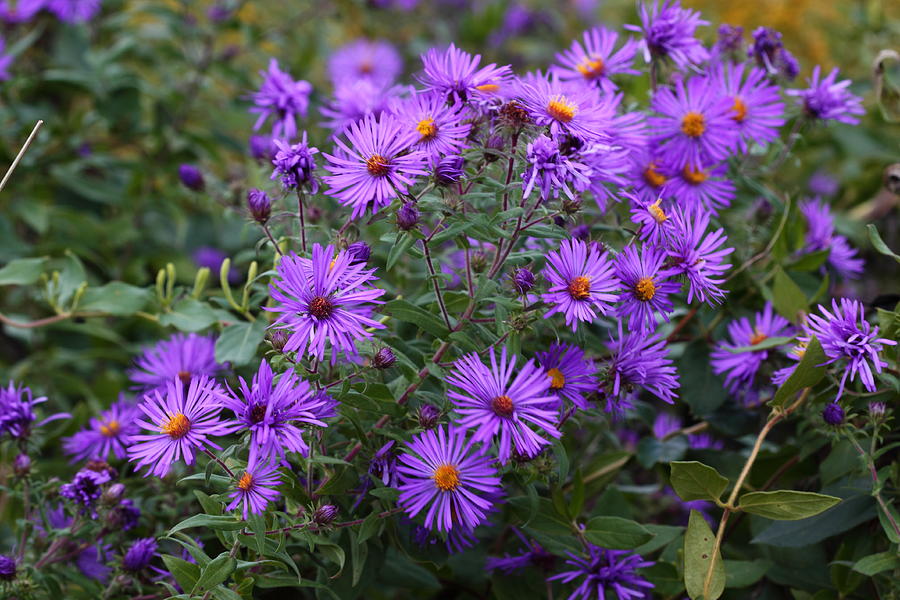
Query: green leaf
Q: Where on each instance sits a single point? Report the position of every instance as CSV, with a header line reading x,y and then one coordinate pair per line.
x,y
219,523
368,528
663,535
879,244
616,533
743,573
699,543
808,373
695,481
409,313
787,297
189,315
115,298
22,271
786,505
703,390
335,554
876,563
359,553
651,450
843,517
185,573
399,249
218,570
238,342
772,342
257,524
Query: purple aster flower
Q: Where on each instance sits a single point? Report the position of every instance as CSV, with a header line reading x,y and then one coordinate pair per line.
x,y
493,406
822,184
603,571
820,235
74,11
645,176
383,465
376,170
594,60
85,490
769,53
93,562
740,368
730,40
698,187
534,555
704,441
111,432
571,375
550,171
581,280
360,251
294,164
282,99
180,422
699,256
645,286
17,412
454,72
641,361
354,100
326,298
757,109
442,471
833,414
7,568
182,356
433,126
845,334
139,555
256,487
669,33
655,224
608,172
191,177
428,416
375,60
827,99
517,20
20,11
572,107
696,123
273,412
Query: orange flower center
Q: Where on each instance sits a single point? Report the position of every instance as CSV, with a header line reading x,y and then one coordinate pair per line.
x,y
645,289
446,478
740,110
378,166
591,68
580,288
487,87
502,406
693,124
245,482
757,337
366,68
657,212
320,307
177,426
110,429
694,176
427,129
654,177
561,109
557,379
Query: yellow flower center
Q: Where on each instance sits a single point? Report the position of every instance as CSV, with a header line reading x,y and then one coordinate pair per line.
x,y
657,212
378,166
177,426
757,337
446,478
653,177
245,482
110,429
561,109
693,124
740,110
487,87
502,406
645,289
694,176
580,287
427,129
591,68
557,379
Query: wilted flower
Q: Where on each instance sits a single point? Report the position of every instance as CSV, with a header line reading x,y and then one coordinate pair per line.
x,y
85,490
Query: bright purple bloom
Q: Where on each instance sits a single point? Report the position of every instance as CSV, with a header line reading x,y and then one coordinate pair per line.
x,y
820,235
454,72
256,487
74,11
93,562
20,11
669,33
699,187
572,107
699,256
640,361
262,148
645,287
449,170
845,334
17,412
139,555
274,412
294,164
522,279
740,368
665,424
655,224
360,251
182,356
180,422
696,124
354,100
492,406
594,60
371,168
645,176
7,568
282,99
571,374
581,280
442,471
433,126
85,490
550,171
111,432
757,110
375,60
603,571
534,555
326,298
828,99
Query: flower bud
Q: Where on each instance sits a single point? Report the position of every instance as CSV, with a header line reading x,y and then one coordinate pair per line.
x,y
22,465
278,338
7,568
523,279
113,493
479,262
360,251
833,414
191,177
581,232
449,170
384,358
325,514
260,205
428,416
261,148
877,410
407,216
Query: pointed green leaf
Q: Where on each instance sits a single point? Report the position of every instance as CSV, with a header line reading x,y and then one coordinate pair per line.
x,y
22,271
876,563
693,480
218,570
787,297
219,523
238,342
808,373
699,543
786,505
879,244
616,533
